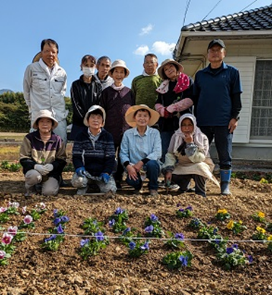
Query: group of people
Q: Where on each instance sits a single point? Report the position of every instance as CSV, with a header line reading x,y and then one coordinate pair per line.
x,y
164,123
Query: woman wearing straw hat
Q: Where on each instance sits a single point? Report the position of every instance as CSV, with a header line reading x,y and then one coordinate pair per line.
x,y
141,147
43,156
116,100
174,99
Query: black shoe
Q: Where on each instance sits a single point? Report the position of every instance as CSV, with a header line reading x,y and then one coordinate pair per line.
x,y
190,190
118,185
63,183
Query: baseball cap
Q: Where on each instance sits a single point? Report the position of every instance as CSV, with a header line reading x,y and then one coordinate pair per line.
x,y
216,42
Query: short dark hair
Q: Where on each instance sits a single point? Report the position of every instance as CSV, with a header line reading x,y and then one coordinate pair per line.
x,y
88,57
49,42
142,110
151,55
103,57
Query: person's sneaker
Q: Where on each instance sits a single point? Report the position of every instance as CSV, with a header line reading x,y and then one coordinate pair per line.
x,y
82,191
153,192
63,183
191,190
161,184
173,187
30,191
38,188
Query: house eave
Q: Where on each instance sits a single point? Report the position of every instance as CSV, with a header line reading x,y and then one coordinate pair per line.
x,y
187,36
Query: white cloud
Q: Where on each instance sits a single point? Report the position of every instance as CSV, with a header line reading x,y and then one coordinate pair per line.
x,y
163,48
146,30
141,50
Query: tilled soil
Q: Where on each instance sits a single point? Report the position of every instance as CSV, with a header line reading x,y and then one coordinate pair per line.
x,y
32,270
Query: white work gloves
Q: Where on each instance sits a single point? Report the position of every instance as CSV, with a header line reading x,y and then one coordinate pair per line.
x,y
44,169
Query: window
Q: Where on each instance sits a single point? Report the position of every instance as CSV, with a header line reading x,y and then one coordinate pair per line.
x,y
261,120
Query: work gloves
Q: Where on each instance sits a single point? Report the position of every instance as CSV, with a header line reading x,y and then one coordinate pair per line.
x,y
43,169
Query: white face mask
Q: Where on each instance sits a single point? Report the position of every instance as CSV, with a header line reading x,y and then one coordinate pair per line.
x,y
88,72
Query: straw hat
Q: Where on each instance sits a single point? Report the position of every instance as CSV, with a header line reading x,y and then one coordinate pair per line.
x,y
129,116
38,56
92,109
45,114
164,63
119,63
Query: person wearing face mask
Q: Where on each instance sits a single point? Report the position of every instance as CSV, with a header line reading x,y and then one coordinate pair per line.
x,y
85,92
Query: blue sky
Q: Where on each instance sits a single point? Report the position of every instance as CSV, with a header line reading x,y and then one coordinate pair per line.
x,y
121,29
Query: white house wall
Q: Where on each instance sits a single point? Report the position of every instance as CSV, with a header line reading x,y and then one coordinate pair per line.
x,y
246,67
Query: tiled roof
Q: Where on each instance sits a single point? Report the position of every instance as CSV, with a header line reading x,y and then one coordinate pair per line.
x,y
255,19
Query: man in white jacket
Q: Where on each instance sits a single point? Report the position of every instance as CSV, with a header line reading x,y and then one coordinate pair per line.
x,y
45,86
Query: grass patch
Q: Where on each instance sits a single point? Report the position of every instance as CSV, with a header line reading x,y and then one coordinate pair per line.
x,y
9,153
18,137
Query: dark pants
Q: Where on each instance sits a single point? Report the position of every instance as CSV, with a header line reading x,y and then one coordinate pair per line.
x,y
152,169
223,143
184,180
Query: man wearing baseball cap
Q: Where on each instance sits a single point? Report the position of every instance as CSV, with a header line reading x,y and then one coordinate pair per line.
x,y
217,100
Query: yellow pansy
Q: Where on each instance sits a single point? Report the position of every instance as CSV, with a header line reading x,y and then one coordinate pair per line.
x,y
222,211
240,221
230,225
269,238
260,230
261,214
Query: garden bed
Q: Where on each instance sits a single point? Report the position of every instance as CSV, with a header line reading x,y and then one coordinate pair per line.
x,y
31,270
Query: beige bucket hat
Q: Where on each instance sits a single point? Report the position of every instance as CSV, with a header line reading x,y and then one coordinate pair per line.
x,y
119,63
45,114
129,116
92,109
164,63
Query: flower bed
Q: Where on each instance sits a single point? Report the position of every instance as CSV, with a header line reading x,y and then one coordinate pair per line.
x,y
32,269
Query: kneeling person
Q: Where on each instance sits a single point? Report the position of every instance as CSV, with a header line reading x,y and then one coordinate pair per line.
x,y
188,157
94,154
43,156
141,147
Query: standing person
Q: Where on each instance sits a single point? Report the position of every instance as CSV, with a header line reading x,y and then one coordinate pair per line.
x,y
45,86
93,154
188,157
141,147
116,100
144,86
85,92
217,95
42,155
103,66
174,99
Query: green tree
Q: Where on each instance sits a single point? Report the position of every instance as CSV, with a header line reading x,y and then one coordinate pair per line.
x,y
14,116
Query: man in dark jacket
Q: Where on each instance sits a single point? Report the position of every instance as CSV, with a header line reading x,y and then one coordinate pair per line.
x,y
217,100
